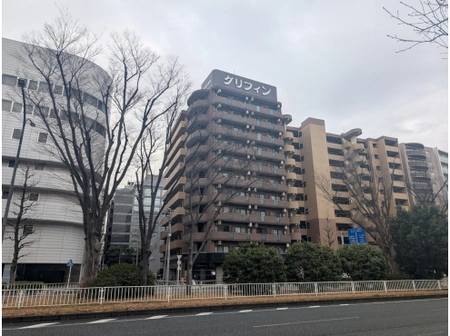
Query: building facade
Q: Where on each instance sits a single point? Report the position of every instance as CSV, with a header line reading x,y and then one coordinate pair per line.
x,y
56,221
123,227
426,172
233,139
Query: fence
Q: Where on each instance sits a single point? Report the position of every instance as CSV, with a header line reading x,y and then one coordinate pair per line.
x,y
27,286
60,296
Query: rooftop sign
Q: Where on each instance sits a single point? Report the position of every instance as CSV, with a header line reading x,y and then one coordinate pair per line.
x,y
218,78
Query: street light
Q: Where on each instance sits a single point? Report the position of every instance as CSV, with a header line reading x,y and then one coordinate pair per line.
x,y
168,213
22,83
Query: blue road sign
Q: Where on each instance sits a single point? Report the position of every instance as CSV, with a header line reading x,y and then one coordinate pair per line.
x,y
356,236
70,263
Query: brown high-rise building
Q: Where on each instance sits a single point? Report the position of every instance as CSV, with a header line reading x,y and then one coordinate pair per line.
x,y
234,129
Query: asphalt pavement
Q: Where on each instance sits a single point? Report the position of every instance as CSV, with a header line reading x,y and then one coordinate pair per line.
x,y
400,318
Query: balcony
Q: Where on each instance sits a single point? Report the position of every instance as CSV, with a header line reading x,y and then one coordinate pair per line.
x,y
416,152
177,198
296,236
294,205
294,190
196,136
287,118
289,149
179,227
291,176
288,135
200,105
290,162
418,163
179,211
176,172
295,220
420,175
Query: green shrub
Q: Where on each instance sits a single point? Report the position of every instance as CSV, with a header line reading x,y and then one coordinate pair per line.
x,y
122,275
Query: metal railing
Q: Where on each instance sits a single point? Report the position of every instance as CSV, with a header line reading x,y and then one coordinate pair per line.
x,y
63,296
26,286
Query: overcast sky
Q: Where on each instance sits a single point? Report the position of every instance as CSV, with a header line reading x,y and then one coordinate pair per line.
x,y
328,59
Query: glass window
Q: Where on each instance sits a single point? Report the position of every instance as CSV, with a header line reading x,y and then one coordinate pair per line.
x,y
33,197
16,133
9,80
6,105
43,87
42,137
32,85
39,166
17,107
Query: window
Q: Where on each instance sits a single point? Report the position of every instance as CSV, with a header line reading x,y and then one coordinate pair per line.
x,y
9,80
374,145
16,133
222,249
376,156
43,87
11,163
5,194
32,85
42,137
28,229
17,107
6,105
39,166
33,197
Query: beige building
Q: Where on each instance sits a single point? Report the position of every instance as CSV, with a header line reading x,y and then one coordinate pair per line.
x,y
272,173
426,171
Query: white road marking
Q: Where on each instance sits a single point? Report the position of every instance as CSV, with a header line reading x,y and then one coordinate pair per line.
x,y
102,321
344,304
245,311
283,308
313,306
303,322
156,317
40,325
203,314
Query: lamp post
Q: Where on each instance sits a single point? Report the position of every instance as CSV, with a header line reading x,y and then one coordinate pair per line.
x,y
22,83
166,272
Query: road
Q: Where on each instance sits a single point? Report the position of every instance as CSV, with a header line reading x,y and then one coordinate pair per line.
x,y
399,318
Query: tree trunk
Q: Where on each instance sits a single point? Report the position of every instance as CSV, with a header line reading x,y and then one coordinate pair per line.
x,y
91,260
15,259
143,264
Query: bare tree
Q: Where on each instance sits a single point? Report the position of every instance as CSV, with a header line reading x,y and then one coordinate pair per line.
x,y
97,134
216,172
365,197
19,230
428,20
429,194
329,233
157,138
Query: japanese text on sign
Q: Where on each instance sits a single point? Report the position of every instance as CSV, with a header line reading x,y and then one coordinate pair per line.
x,y
239,83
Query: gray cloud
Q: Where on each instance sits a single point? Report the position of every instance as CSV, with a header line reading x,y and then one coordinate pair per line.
x,y
329,59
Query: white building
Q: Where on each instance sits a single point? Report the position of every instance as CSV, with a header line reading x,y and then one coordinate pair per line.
x,y
57,219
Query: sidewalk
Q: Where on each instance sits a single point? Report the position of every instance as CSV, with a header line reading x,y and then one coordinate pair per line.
x,y
38,314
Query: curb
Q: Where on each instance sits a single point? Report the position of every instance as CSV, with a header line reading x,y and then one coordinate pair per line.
x,y
167,311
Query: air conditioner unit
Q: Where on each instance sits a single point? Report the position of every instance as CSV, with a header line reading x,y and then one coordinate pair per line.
x,y
219,105
284,210
282,162
219,137
250,224
282,177
279,133
285,227
283,194
219,121
252,113
249,172
249,189
253,127
248,141
219,186
278,120
248,126
219,203
251,99
219,223
246,98
253,142
219,91
219,151
255,207
248,156
255,190
278,105
281,148
249,206
219,242
247,112
287,244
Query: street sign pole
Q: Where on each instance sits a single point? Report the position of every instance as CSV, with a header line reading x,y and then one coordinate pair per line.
x,y
70,264
178,268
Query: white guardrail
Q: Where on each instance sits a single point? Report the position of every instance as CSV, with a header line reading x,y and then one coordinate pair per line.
x,y
63,295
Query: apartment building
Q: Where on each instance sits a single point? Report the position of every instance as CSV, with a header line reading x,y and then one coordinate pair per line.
x,y
426,172
235,126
